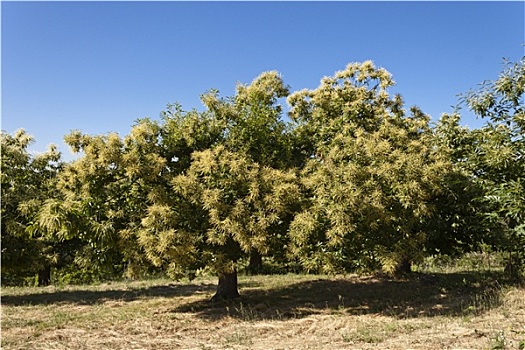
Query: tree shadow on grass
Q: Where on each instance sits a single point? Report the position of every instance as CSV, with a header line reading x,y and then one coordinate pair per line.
x,y
420,295
90,297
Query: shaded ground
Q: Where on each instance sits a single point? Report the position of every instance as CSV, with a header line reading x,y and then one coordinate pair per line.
x,y
420,295
425,311
89,297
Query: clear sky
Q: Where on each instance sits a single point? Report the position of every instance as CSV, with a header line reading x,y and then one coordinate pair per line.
x,y
99,66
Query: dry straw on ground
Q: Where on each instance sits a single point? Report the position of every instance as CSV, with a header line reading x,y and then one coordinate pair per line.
x,y
438,311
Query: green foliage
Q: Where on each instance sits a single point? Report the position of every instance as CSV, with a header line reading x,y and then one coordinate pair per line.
x,y
253,127
354,182
102,197
252,120
182,133
221,164
457,225
373,175
498,158
27,181
228,206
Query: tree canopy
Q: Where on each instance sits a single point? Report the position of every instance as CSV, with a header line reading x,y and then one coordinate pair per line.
x,y
352,180
27,181
373,175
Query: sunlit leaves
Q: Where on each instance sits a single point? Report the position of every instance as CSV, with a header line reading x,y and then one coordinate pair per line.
x,y
104,194
503,99
498,159
356,180
27,181
353,98
373,174
242,200
252,120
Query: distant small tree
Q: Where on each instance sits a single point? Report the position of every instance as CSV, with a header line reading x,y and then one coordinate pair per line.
x,y
27,182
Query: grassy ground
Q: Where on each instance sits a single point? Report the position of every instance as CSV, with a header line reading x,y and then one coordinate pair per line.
x,y
426,311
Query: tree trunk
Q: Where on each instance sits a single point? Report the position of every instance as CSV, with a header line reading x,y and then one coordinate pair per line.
x,y
44,276
227,287
255,265
404,267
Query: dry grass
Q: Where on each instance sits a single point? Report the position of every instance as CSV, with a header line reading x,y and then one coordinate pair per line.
x,y
426,311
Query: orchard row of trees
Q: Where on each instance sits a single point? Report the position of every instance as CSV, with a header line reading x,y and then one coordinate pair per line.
x,y
354,181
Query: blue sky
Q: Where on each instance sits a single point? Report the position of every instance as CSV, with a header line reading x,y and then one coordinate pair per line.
x,y
99,66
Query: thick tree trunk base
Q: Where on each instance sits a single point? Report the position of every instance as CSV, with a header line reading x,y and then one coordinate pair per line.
x,y
227,288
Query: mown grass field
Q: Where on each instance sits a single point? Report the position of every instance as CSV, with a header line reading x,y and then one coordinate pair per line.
x,y
459,310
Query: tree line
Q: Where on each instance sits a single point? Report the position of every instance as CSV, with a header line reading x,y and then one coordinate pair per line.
x,y
352,180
